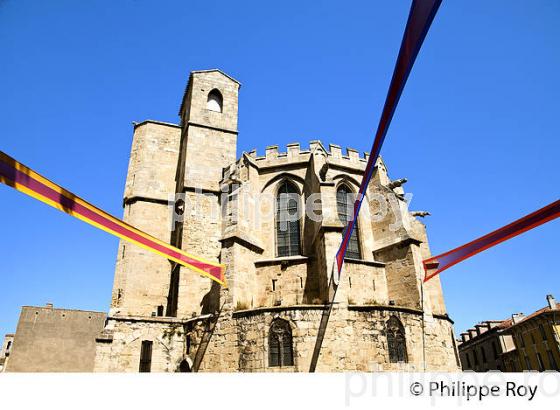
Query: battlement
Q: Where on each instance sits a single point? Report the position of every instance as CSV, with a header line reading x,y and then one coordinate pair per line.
x,y
295,152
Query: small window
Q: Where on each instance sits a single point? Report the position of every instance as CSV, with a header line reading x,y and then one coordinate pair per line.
x,y
552,360
396,341
495,350
215,101
280,349
173,295
543,332
184,367
527,363
146,356
345,207
540,362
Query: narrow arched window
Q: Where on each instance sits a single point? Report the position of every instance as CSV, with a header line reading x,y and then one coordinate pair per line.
x,y
146,356
215,101
184,367
287,220
280,350
396,341
345,207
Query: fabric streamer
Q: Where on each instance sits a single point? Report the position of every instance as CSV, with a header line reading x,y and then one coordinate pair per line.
x,y
437,264
23,179
422,13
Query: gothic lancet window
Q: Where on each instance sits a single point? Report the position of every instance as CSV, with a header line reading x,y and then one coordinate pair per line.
x,y
184,367
280,350
215,101
287,220
396,341
345,208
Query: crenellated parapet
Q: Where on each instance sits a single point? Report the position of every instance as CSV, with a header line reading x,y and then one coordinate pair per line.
x,y
347,160
294,152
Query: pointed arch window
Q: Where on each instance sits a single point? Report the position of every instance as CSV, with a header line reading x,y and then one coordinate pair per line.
x,y
287,220
280,348
396,341
184,366
345,207
215,101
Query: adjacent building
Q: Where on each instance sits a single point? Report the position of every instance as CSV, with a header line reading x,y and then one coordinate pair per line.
x,y
537,338
6,350
482,347
521,343
53,340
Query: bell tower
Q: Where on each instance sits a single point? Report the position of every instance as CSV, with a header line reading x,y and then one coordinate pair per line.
x,y
209,129
208,144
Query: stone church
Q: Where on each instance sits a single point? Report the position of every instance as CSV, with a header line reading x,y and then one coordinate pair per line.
x,y
237,211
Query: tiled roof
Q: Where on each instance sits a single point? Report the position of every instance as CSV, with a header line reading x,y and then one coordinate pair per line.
x,y
504,324
537,313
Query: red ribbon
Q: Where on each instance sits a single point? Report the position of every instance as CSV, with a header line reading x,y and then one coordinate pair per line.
x,y
439,263
422,13
24,179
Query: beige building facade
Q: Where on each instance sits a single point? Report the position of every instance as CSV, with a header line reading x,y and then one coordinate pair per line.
x,y
487,346
186,186
48,339
521,343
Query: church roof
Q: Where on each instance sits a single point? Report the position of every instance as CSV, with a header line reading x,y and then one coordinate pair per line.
x,y
215,70
199,72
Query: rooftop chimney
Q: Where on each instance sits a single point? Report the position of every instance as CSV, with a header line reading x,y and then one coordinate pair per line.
x,y
551,301
49,305
492,324
517,317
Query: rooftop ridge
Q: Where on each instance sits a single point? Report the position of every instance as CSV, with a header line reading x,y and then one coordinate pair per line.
x,y
136,124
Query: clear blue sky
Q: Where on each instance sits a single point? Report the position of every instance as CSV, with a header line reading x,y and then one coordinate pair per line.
x,y
476,132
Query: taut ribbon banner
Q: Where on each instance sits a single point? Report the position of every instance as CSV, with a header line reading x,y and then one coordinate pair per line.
x,y
439,263
422,13
23,179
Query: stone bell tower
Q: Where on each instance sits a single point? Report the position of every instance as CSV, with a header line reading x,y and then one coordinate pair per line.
x,y
154,298
208,145
209,129
187,159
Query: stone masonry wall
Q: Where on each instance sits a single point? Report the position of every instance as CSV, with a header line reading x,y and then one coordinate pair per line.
x,y
355,340
141,277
